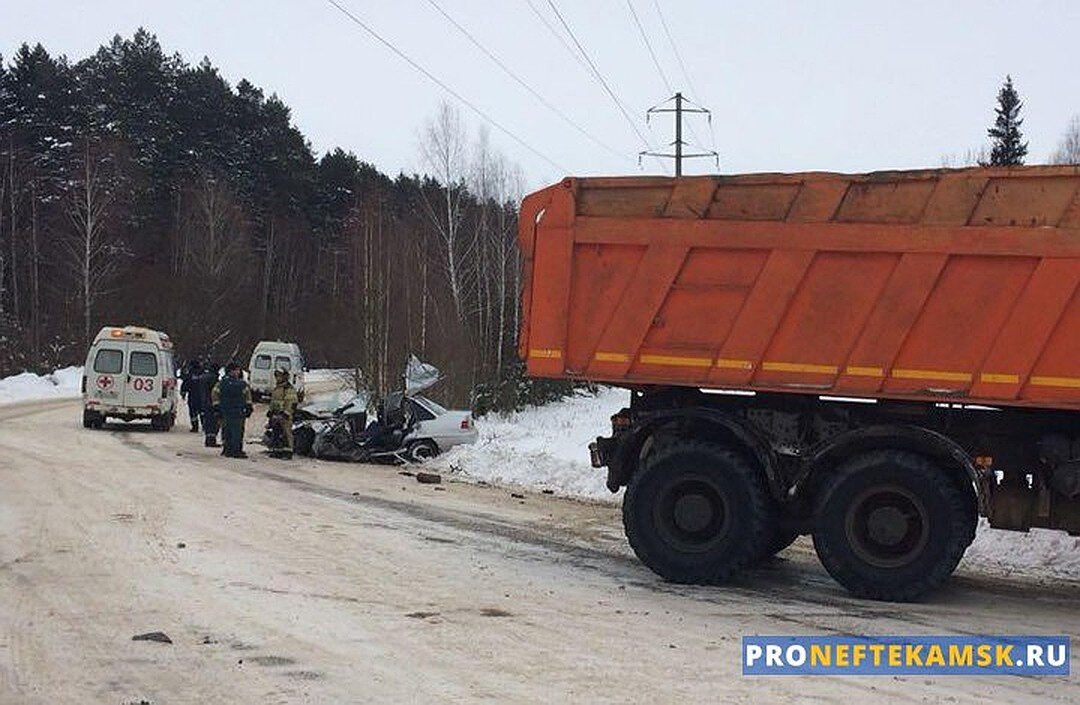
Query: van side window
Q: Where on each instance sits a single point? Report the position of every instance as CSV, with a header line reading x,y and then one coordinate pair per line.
x,y
282,363
262,362
143,364
108,361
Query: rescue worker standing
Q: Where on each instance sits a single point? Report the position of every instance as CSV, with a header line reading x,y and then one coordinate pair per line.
x,y
232,402
191,391
207,384
283,402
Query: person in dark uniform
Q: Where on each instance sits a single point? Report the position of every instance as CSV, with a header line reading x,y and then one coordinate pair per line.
x,y
232,401
191,391
207,383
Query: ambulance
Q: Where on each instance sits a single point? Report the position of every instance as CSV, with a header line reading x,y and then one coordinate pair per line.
x,y
272,355
130,374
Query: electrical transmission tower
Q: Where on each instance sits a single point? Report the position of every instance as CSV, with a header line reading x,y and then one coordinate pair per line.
x,y
679,109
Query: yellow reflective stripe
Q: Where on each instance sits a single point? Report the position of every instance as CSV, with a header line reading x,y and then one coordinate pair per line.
x,y
999,378
729,364
611,357
772,366
676,360
546,353
941,375
1072,382
861,371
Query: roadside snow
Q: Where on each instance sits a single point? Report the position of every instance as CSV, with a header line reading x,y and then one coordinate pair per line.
x,y
1040,551
29,386
545,447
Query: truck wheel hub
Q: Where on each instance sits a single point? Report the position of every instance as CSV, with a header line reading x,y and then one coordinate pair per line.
x,y
693,516
887,527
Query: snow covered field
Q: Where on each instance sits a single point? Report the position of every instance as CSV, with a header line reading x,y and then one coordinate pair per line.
x,y
544,447
29,386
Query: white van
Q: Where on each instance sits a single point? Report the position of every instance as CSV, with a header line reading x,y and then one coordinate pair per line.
x,y
270,355
129,375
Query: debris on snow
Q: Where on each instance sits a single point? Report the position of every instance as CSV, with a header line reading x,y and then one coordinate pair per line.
x,y
160,637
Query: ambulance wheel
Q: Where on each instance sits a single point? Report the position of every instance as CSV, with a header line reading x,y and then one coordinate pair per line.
x,y
892,525
697,512
92,419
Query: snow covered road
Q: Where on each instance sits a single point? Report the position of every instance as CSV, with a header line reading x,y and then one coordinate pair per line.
x,y
328,582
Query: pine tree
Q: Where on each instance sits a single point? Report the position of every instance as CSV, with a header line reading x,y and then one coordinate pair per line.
x,y
1007,149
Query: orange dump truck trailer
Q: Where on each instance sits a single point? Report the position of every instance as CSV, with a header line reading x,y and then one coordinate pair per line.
x,y
872,359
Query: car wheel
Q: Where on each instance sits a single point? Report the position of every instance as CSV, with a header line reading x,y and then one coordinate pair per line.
x,y
422,450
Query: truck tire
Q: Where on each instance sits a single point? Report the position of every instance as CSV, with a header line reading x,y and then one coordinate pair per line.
x,y
92,419
696,512
891,525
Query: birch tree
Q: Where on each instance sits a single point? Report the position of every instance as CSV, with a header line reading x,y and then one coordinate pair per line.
x,y
1068,150
443,146
91,252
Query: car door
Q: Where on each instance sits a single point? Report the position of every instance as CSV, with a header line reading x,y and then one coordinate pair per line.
x,y
143,376
106,380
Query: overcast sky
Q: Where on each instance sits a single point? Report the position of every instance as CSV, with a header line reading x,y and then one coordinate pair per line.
x,y
840,85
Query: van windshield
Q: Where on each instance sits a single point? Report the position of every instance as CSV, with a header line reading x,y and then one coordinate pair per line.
x,y
143,364
282,363
108,361
262,362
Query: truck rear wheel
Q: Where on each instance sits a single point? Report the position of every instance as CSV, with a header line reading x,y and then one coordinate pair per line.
x,y
696,512
891,525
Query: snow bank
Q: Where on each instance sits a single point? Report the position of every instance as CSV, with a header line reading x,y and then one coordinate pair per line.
x,y
29,386
547,448
1041,552
542,447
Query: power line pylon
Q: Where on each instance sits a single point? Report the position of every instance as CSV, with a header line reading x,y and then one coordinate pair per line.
x,y
679,109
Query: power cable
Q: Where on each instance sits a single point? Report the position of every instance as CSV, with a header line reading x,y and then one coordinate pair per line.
x,y
656,61
600,77
682,65
648,45
562,40
547,104
441,84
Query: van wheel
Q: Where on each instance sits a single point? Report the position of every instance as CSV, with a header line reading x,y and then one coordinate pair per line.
x,y
696,512
422,450
92,419
891,525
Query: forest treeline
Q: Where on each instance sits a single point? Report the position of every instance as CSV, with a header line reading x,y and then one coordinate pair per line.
x,y
138,188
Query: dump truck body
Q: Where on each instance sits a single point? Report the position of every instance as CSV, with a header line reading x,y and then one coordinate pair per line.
x,y
946,299
935,285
